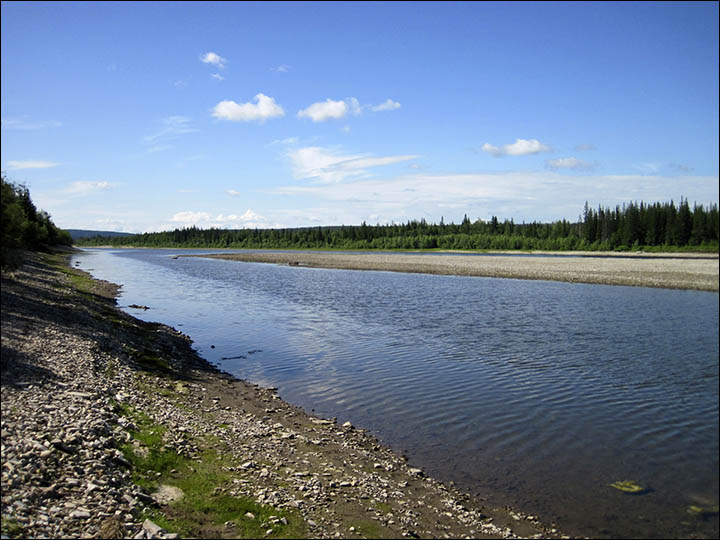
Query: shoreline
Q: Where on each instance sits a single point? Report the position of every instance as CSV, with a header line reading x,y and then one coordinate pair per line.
x,y
661,270
87,389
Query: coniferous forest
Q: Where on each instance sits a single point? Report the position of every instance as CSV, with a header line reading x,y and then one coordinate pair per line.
x,y
655,227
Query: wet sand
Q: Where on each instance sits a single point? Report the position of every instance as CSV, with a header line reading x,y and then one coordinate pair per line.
x,y
663,270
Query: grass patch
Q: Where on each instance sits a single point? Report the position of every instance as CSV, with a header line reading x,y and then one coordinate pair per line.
x,y
11,527
152,362
151,387
148,360
111,369
82,281
205,508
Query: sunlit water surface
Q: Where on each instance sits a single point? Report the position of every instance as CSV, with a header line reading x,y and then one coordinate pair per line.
x,y
535,394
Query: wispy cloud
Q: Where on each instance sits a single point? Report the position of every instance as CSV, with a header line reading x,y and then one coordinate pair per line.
x,y
282,68
288,140
387,105
681,167
260,111
521,147
647,168
569,163
585,147
544,196
159,148
214,59
329,166
17,165
86,188
172,128
25,123
217,76
329,109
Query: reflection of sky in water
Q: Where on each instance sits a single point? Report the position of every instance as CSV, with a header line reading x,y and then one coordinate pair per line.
x,y
546,390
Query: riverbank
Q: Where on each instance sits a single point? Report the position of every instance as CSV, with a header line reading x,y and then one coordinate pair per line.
x,y
669,270
115,428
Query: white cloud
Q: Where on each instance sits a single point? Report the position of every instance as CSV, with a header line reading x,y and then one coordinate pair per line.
x,y
263,108
217,76
282,68
234,192
86,188
521,147
25,124
569,163
214,59
387,105
328,166
249,220
334,110
17,165
324,110
110,224
190,217
354,106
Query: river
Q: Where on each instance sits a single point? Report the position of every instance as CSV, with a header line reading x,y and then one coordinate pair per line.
x,y
534,394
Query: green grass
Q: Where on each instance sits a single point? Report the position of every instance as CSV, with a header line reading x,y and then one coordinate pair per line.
x,y
111,369
204,508
81,281
11,527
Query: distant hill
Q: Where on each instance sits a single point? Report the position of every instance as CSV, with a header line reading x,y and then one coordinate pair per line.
x,y
82,233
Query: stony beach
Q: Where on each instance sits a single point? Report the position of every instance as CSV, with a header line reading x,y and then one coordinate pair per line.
x,y
664,270
115,428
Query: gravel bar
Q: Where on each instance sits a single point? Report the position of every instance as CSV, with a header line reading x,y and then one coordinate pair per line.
x,y
670,271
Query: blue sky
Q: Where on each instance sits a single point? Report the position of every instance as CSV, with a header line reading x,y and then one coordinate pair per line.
x,y
151,116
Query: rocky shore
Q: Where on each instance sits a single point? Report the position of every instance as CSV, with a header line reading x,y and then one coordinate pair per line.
x,y
115,428
664,270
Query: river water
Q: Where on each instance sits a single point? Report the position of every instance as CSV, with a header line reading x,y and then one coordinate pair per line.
x,y
534,394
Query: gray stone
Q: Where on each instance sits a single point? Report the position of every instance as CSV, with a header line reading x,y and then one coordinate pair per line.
x,y
152,528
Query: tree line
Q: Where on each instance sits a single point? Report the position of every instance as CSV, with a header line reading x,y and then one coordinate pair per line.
x,y
23,225
658,226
